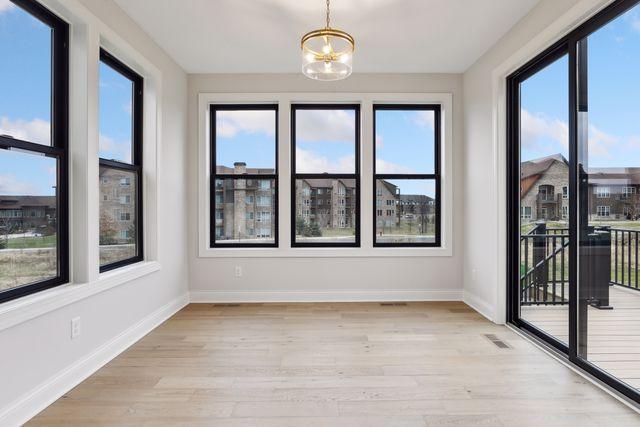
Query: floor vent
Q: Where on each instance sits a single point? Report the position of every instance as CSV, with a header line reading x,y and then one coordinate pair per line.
x,y
393,304
226,305
497,341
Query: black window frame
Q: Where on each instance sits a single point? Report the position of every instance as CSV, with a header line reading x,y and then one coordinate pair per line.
x,y
275,218
136,166
58,149
569,45
436,176
338,176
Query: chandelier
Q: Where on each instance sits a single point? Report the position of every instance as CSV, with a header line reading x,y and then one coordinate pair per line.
x,y
327,53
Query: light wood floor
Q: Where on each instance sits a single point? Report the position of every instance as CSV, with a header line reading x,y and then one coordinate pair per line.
x,y
613,339
334,365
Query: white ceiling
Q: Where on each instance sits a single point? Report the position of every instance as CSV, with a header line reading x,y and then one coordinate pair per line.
x,y
263,36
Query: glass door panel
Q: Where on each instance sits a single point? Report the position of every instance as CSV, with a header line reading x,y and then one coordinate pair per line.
x,y
609,198
543,282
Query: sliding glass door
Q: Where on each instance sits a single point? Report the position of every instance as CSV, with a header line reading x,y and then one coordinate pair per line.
x,y
574,196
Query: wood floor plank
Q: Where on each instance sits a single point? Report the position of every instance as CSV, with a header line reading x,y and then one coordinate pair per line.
x,y
343,364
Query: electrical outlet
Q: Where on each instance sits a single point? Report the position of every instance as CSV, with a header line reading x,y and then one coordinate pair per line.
x,y
75,327
238,271
474,275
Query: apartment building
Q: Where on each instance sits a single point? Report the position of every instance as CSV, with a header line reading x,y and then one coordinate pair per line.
x,y
117,206
22,213
544,187
244,208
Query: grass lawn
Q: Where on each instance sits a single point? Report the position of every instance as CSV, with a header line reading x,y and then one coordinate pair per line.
x,y
32,242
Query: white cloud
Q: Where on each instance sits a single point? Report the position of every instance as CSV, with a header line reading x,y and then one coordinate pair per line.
x,y
636,24
308,161
634,142
424,119
382,166
9,184
600,142
537,130
325,125
127,108
5,5
230,123
121,150
36,130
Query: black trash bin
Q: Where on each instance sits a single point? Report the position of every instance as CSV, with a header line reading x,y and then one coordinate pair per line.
x,y
595,271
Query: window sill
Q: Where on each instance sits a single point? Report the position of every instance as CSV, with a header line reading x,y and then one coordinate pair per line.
x,y
29,307
336,252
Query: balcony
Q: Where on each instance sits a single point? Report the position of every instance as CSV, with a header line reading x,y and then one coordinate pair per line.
x,y
611,295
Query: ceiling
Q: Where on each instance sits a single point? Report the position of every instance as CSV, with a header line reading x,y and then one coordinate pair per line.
x,y
263,36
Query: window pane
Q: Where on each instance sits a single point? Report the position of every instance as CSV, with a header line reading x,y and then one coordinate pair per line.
x,y
405,142
25,76
116,119
405,211
245,141
326,210
325,141
28,219
245,211
544,212
118,225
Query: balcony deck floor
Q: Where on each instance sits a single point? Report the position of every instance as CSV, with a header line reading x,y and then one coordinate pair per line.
x,y
613,335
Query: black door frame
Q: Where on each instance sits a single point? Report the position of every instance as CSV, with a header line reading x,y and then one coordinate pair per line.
x,y
568,45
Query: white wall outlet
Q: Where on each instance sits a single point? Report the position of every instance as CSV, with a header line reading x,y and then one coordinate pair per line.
x,y
238,271
75,327
474,275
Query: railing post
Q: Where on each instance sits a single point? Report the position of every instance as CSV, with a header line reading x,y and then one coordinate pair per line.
x,y
539,252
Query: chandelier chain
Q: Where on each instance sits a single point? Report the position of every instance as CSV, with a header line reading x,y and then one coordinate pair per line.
x,y
328,18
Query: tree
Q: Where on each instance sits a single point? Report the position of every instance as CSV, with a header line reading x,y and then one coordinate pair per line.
x,y
107,229
300,225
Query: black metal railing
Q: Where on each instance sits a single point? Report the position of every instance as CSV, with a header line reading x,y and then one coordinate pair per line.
x,y
544,255
544,277
624,258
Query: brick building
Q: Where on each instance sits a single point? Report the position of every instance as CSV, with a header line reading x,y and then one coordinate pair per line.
x,y
544,187
117,193
27,213
244,208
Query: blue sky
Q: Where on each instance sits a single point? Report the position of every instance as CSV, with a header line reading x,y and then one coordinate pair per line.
x,y
325,142
25,104
614,91
116,93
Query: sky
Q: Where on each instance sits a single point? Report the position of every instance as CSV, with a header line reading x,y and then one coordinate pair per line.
x,y
25,98
614,91
325,138
325,142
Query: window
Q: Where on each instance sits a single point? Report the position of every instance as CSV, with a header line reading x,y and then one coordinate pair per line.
x,y
407,174
603,192
325,145
525,212
244,146
120,151
565,212
33,150
565,192
603,211
627,192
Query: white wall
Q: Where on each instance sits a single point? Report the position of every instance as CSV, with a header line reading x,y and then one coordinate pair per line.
x,y
326,278
483,258
35,352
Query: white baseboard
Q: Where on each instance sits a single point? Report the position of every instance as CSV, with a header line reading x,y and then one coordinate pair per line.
x,y
479,305
30,404
213,296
